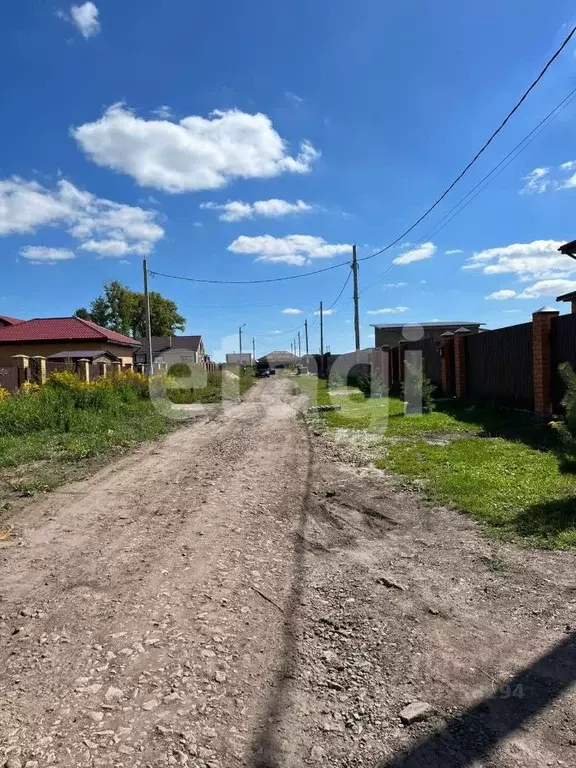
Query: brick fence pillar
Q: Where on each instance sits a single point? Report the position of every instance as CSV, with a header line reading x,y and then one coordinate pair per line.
x,y
102,370
116,367
40,369
22,362
83,369
447,363
542,359
460,374
574,306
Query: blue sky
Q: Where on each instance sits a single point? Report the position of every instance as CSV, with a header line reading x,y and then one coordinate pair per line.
x,y
257,140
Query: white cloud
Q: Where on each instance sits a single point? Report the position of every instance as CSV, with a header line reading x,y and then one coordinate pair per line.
x,y
116,248
502,295
453,251
25,205
291,311
567,183
537,182
236,210
394,285
86,19
292,249
568,166
424,251
536,260
548,288
275,208
387,311
193,154
293,99
95,222
38,254
511,311
164,112
325,312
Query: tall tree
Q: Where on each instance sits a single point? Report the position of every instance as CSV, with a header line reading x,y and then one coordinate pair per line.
x,y
122,310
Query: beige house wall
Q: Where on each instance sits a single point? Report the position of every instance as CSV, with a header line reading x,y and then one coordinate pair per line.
x,y
47,348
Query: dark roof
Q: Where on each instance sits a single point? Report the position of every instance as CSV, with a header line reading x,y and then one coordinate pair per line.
x,y
279,356
568,249
567,296
7,320
446,324
61,329
86,354
161,343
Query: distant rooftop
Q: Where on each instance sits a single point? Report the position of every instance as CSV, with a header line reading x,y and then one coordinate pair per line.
x,y
446,324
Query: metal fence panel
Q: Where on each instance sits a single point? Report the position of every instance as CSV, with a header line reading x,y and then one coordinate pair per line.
x,y
563,343
431,358
9,378
499,365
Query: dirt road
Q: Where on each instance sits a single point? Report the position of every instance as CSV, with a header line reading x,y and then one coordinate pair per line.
x,y
235,595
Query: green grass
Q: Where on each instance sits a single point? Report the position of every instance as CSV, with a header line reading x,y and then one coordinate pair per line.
x,y
43,432
213,388
513,488
498,465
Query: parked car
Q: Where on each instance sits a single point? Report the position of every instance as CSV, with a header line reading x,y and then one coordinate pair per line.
x,y
262,369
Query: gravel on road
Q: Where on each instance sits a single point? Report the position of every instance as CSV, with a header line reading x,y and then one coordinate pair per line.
x,y
238,594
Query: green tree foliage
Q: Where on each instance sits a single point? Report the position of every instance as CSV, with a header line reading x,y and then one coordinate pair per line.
x,y
122,310
417,390
567,428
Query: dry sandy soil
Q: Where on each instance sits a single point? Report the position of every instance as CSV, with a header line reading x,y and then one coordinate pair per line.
x,y
238,595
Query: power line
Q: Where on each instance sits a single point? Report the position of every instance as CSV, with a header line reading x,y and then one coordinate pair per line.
x,y
341,292
480,151
248,282
310,325
486,180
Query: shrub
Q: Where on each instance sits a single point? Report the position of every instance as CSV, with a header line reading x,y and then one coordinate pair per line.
x,y
417,391
370,384
29,388
336,381
4,394
567,429
179,370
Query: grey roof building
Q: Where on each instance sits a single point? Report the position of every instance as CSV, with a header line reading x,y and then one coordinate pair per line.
x,y
391,333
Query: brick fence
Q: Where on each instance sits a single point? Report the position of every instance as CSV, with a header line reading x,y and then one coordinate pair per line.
x,y
516,365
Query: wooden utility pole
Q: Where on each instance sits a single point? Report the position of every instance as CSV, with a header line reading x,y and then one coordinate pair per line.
x,y
240,340
291,347
356,311
321,342
299,347
306,335
253,349
148,321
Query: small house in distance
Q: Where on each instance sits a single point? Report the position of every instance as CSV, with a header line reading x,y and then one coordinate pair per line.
x,y
279,359
171,350
238,358
390,334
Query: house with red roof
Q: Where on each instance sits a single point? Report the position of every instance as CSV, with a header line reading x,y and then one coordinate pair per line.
x,y
52,336
6,321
